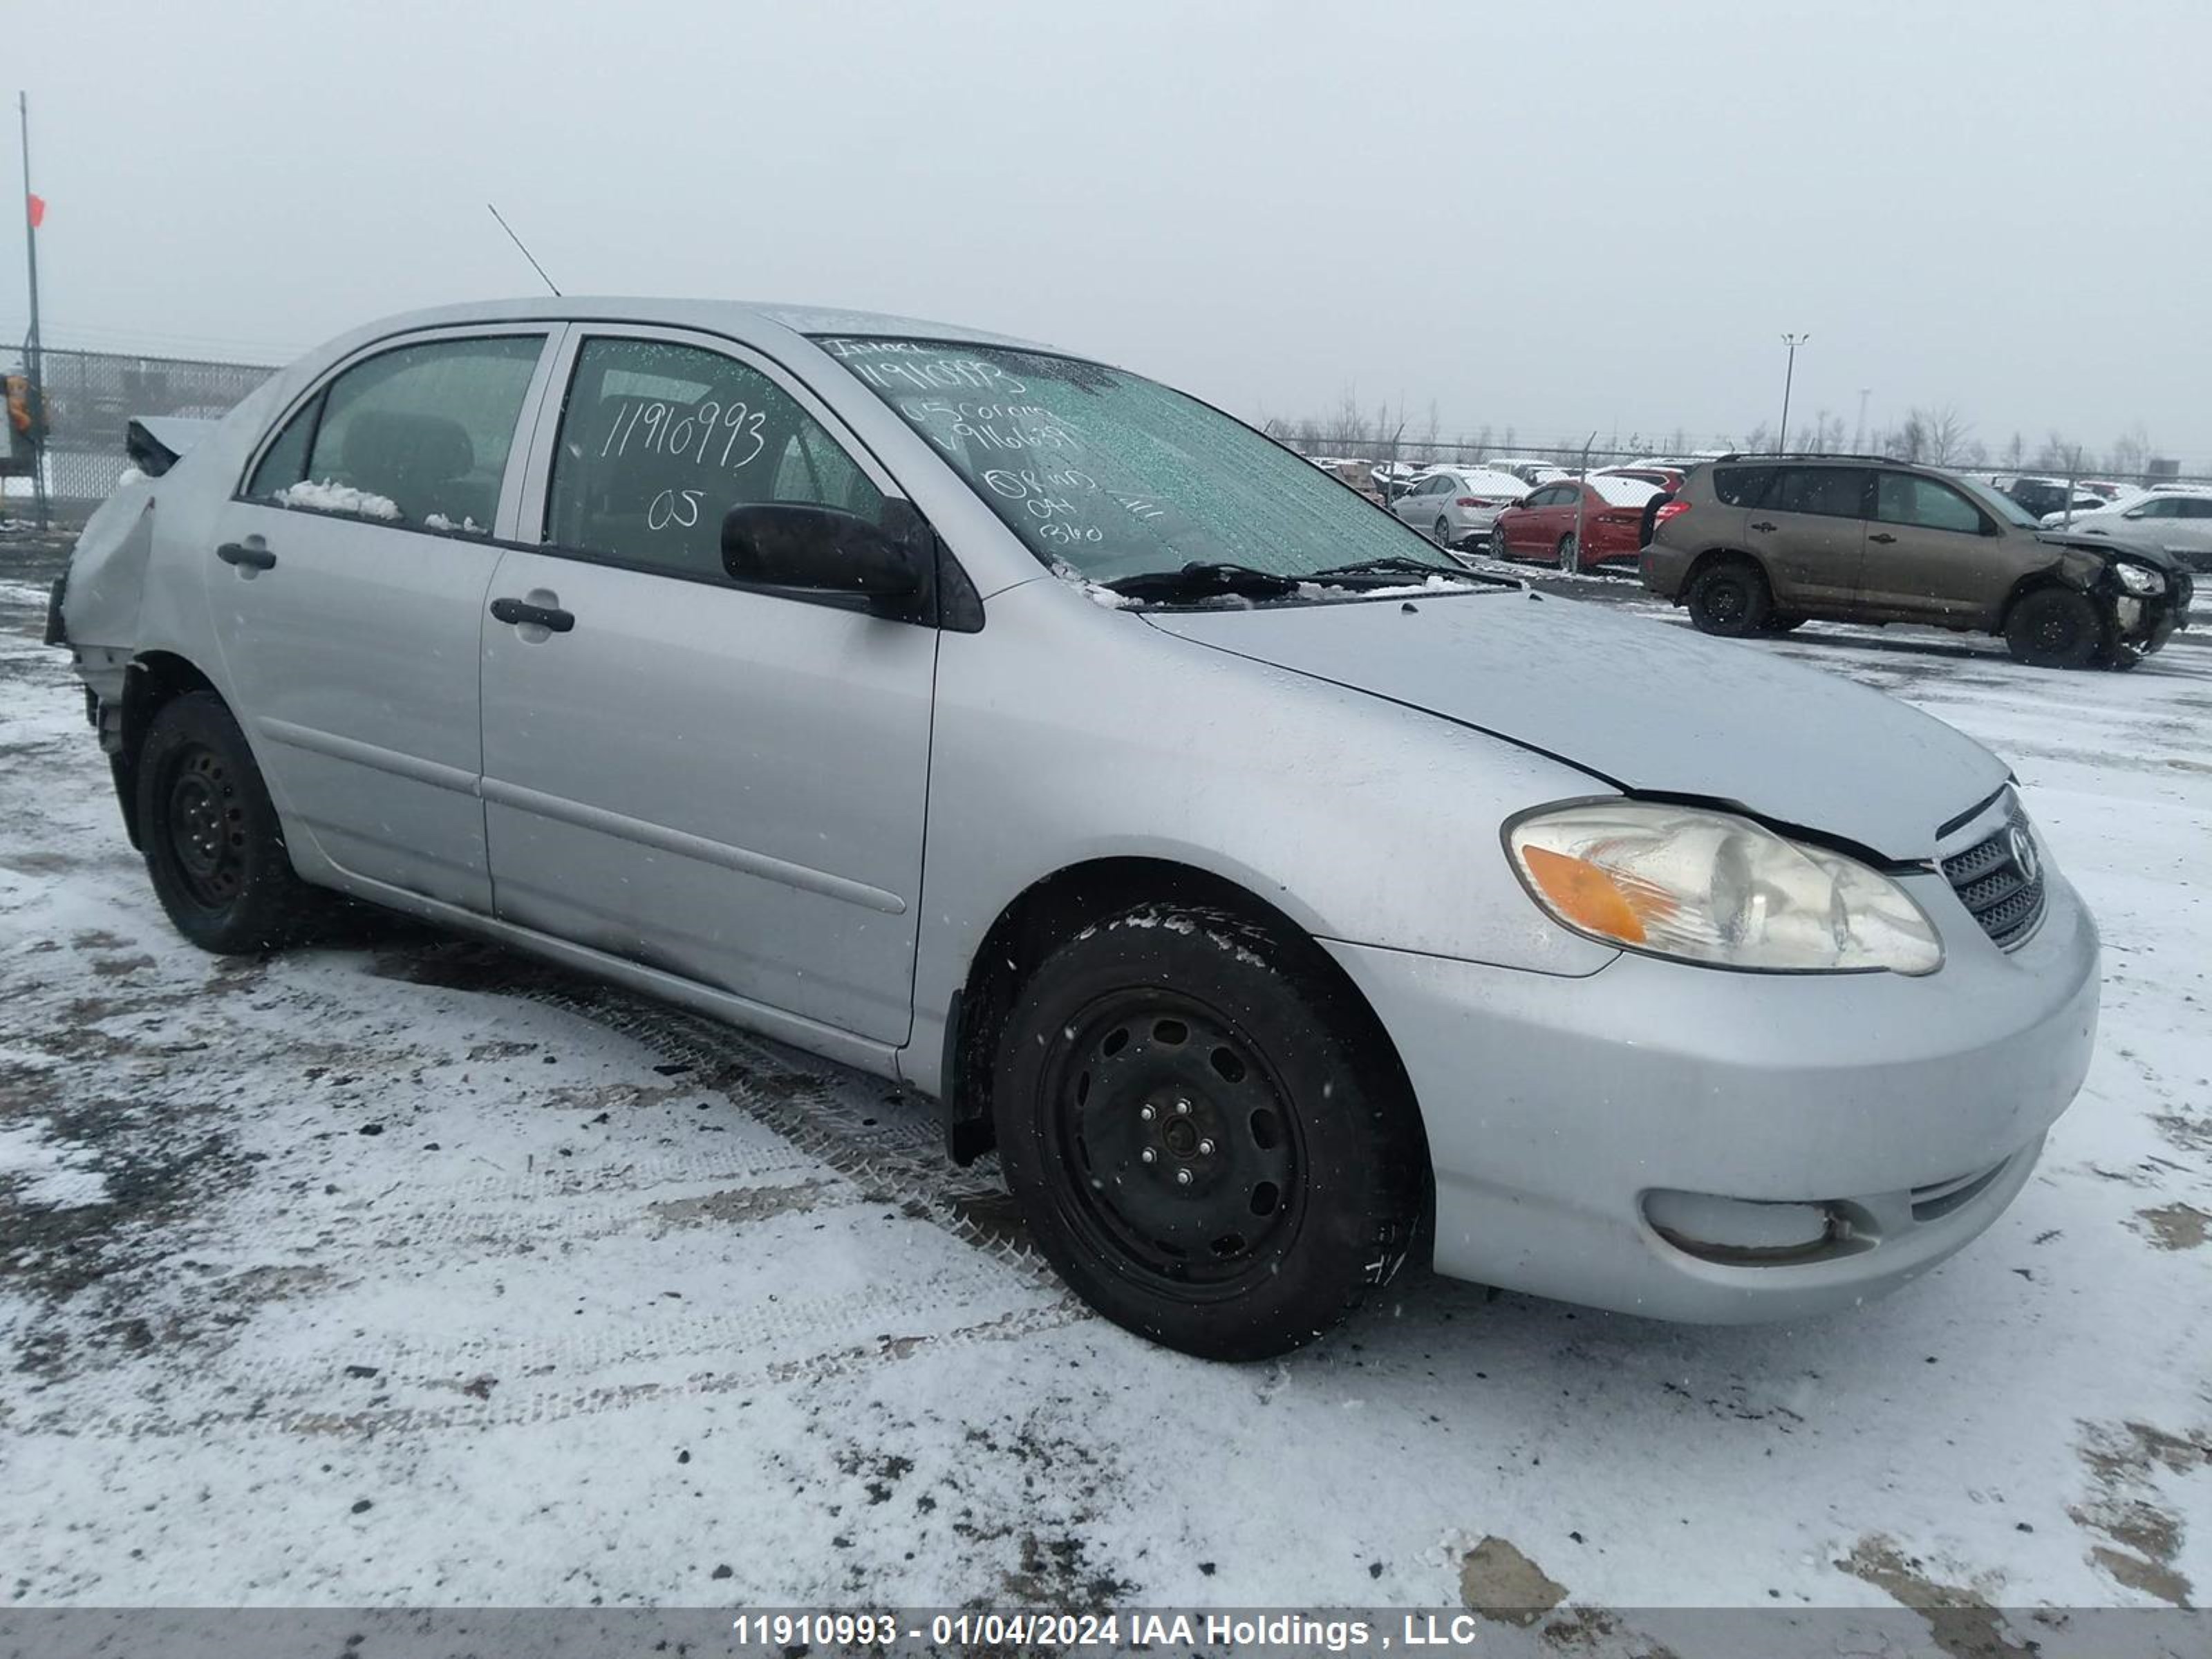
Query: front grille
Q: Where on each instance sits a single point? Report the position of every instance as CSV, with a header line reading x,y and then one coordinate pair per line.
x,y
2004,898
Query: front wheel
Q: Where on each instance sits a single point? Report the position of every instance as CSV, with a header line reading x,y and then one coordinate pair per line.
x,y
214,848
1499,549
1205,1136
2054,627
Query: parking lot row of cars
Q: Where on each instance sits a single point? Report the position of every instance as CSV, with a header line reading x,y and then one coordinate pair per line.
x,y
1523,509
1752,544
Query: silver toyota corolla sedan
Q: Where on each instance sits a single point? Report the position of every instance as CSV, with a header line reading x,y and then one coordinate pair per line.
x,y
1276,898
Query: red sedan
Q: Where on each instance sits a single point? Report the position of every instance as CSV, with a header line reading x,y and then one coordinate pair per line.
x,y
1543,526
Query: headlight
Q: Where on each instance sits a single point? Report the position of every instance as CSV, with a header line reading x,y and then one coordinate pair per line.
x,y
2138,579
1710,887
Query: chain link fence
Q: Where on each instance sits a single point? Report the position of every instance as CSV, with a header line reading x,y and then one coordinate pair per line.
x,y
91,395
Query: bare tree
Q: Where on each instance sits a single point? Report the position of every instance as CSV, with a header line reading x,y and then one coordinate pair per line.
x,y
2015,452
1347,424
1943,434
2130,453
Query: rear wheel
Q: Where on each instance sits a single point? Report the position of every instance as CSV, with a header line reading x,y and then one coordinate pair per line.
x,y
1730,598
2054,627
1203,1132
1568,562
1444,531
214,848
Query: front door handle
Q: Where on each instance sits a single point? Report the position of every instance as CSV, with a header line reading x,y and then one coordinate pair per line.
x,y
521,612
1883,537
1762,525
246,554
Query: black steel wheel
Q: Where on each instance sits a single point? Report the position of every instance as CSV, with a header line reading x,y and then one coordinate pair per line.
x,y
2055,627
213,845
1209,1141
1186,1165
1730,598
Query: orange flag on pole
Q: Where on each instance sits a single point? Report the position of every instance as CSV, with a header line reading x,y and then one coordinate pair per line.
x,y
38,206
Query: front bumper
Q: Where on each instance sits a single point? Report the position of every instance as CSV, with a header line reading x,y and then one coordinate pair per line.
x,y
1560,1112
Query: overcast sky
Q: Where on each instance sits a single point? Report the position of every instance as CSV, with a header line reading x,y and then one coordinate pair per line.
x,y
1554,215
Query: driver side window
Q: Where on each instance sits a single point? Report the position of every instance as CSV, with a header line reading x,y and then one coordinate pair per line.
x,y
659,441
1906,498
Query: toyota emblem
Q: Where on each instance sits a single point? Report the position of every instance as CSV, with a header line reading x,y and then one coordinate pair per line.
x,y
2022,846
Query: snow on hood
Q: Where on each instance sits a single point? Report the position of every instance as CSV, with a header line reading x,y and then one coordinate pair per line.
x,y
1643,705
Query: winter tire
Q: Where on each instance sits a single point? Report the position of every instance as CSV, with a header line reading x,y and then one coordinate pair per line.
x,y
1205,1134
213,845
1731,600
2054,627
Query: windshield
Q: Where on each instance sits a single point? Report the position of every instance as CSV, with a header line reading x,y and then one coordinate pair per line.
x,y
1112,474
1999,503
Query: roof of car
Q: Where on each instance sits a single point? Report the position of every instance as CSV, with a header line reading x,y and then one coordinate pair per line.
x,y
716,316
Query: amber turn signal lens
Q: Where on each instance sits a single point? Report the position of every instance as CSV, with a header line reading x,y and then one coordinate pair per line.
x,y
1583,894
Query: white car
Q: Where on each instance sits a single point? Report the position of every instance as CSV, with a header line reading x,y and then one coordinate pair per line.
x,y
1455,506
2180,521
1530,472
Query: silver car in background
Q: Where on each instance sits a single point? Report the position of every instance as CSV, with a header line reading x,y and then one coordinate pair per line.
x,y
1011,725
1456,507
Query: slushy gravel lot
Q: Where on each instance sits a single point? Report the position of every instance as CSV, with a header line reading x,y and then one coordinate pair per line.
x,y
406,1271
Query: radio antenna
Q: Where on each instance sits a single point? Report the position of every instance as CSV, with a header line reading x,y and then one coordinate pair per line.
x,y
524,252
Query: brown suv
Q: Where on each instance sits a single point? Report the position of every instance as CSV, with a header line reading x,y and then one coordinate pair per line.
x,y
1756,544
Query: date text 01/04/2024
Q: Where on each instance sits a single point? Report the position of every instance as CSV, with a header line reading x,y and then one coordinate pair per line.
x,y
1333,1632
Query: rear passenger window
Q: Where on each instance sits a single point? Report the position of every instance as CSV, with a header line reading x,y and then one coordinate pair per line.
x,y
658,442
417,436
1742,486
1904,498
1836,492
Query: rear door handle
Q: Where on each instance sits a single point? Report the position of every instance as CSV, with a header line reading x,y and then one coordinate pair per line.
x,y
1883,537
1762,525
241,553
521,612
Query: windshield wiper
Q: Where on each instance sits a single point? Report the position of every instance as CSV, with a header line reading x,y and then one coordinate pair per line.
x,y
1198,581
1388,563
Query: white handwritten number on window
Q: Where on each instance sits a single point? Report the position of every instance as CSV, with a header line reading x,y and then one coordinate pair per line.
x,y
679,507
730,433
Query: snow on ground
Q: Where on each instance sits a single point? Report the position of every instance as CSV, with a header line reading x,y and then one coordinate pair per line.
x,y
405,1271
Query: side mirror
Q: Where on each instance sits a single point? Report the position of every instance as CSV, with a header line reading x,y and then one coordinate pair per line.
x,y
818,550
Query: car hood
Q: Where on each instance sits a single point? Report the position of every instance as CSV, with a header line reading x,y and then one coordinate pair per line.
x,y
1644,705
2129,540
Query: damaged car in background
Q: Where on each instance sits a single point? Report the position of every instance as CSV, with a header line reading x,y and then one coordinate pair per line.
x,y
1011,725
1757,544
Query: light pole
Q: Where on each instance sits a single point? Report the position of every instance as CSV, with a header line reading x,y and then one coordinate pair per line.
x,y
1788,374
